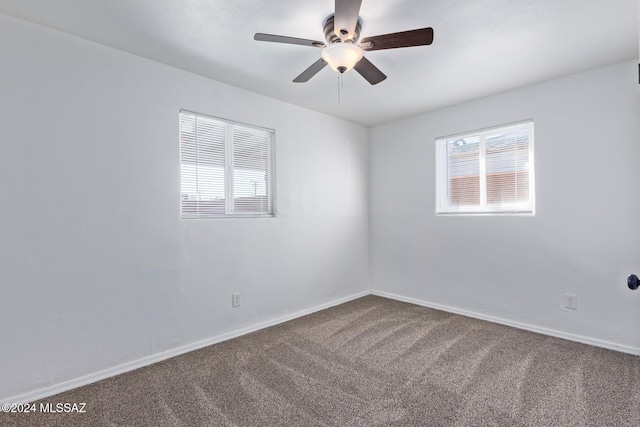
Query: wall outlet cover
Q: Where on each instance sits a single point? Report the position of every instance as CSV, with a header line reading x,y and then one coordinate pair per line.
x,y
235,299
571,301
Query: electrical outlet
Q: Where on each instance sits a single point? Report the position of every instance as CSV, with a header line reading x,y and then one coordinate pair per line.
x,y
571,301
235,299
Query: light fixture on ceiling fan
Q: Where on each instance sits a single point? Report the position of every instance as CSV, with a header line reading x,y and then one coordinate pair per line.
x,y
342,51
342,56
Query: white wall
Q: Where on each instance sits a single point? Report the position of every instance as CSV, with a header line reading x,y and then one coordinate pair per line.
x,y
584,238
96,268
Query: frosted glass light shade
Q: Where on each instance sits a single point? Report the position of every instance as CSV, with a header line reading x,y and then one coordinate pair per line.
x,y
342,56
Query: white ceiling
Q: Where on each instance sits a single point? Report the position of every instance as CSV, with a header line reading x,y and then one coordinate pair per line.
x,y
481,47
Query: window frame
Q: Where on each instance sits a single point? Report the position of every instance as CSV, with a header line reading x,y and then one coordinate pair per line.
x,y
443,205
228,155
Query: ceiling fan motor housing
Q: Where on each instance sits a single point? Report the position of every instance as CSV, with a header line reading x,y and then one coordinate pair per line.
x,y
332,37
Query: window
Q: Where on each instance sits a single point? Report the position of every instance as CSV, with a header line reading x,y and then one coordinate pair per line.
x,y
486,171
226,168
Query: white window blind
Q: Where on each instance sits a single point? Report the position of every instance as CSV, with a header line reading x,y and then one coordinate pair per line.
x,y
226,168
487,171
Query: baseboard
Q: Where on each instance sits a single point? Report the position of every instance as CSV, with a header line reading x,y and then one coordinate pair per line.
x,y
148,360
154,358
532,328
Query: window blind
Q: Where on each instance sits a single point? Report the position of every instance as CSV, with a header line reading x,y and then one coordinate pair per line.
x,y
225,168
487,171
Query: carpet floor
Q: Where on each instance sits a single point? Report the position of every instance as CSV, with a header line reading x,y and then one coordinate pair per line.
x,y
368,362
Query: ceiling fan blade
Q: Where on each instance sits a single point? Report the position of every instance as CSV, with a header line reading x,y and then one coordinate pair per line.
x,y
369,71
311,71
288,40
346,17
419,37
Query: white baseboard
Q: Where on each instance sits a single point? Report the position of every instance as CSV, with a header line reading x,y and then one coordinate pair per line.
x,y
532,328
154,358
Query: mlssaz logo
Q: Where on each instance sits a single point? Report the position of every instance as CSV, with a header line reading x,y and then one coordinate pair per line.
x,y
63,407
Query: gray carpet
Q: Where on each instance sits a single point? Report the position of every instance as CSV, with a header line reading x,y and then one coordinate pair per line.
x,y
369,362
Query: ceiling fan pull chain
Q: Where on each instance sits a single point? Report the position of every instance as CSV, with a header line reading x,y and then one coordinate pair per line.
x,y
339,86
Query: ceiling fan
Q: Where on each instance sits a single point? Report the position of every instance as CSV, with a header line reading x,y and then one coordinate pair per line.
x,y
342,51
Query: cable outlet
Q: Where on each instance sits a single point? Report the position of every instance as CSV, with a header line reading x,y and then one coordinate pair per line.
x,y
235,299
571,301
